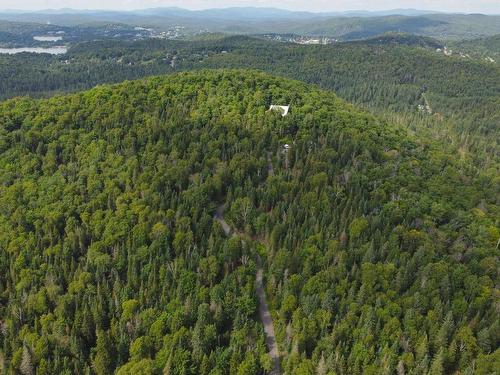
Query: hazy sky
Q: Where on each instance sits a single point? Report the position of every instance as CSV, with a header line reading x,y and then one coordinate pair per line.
x,y
484,6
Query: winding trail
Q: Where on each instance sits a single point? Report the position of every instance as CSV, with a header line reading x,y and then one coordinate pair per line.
x,y
264,313
267,321
270,169
219,216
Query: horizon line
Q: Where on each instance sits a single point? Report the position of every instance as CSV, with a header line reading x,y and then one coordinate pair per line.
x,y
118,10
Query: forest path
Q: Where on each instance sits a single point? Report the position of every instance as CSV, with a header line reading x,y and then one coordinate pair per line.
x,y
219,216
264,313
267,321
270,168
427,104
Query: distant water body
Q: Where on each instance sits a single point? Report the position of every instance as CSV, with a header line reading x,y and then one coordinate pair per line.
x,y
47,38
56,50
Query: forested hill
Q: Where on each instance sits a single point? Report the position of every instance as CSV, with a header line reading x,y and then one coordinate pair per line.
x,y
349,26
486,48
379,249
391,73
385,75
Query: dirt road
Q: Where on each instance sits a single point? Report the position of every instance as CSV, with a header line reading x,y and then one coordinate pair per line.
x,y
219,216
267,322
264,313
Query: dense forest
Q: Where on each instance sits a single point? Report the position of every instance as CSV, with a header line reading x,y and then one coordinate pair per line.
x,y
487,48
380,248
442,26
398,76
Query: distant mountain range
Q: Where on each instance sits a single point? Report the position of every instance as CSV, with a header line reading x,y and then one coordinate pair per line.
x,y
227,13
349,25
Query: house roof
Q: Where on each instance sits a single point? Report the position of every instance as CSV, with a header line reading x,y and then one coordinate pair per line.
x,y
284,109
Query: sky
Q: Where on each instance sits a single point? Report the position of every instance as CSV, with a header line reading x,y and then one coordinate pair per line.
x,y
467,6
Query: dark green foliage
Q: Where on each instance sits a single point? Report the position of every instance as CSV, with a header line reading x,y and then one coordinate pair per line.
x,y
379,247
442,26
403,39
487,47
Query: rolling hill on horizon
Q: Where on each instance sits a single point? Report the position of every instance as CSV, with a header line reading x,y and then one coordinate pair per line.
x,y
341,25
230,12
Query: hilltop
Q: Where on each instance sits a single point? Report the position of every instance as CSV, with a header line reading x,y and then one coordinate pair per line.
x,y
411,80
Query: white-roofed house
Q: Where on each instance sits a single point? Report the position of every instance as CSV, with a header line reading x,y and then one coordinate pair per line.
x,y
284,109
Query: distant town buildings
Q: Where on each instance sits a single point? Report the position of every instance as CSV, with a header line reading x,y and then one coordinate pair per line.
x,y
445,50
299,39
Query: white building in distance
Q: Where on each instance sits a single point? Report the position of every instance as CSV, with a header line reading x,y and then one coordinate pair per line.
x,y
280,108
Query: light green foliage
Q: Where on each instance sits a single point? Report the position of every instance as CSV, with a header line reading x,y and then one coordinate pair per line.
x,y
357,227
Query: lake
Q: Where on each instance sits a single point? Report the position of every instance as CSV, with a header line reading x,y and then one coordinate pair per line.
x,y
56,50
47,38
